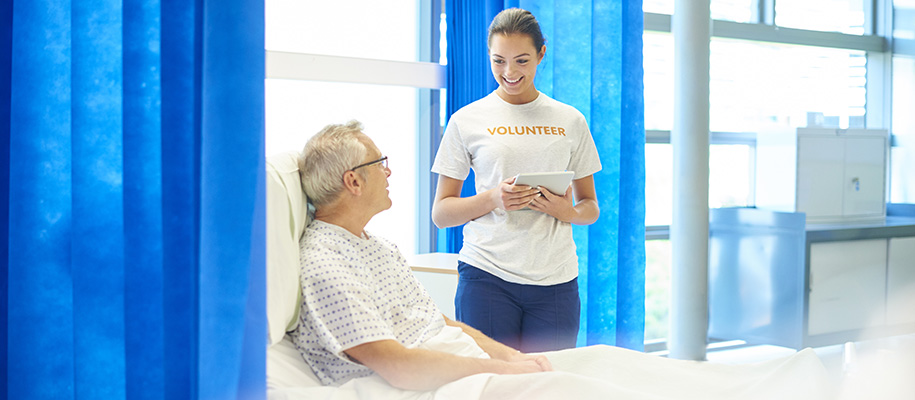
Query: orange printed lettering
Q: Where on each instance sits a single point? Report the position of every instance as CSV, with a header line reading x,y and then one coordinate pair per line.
x,y
527,130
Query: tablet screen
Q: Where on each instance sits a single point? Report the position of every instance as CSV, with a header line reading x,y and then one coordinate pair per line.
x,y
556,182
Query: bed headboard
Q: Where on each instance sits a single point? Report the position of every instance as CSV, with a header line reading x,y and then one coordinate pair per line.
x,y
287,216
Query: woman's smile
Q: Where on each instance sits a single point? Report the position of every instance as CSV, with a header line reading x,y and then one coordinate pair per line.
x,y
514,61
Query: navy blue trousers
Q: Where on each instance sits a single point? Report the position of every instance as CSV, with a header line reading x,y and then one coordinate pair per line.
x,y
529,318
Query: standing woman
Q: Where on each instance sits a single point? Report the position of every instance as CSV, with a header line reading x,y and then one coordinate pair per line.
x,y
518,268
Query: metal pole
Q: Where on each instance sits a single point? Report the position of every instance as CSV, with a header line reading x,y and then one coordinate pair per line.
x,y
691,27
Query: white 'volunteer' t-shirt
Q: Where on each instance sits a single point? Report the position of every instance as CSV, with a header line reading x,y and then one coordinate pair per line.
x,y
499,140
356,290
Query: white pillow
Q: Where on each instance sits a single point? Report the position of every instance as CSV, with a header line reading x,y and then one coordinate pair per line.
x,y
287,216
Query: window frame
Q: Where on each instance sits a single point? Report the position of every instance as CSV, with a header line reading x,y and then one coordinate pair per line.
x,y
877,43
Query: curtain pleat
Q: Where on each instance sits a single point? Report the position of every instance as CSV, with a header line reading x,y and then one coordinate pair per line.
x,y
40,226
97,237
143,274
593,63
134,199
180,138
6,44
232,162
631,318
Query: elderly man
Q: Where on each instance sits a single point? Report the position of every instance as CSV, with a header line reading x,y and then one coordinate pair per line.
x,y
362,309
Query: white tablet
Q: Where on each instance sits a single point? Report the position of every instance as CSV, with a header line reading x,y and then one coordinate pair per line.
x,y
556,182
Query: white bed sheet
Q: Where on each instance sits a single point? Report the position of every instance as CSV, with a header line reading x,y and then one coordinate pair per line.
x,y
594,372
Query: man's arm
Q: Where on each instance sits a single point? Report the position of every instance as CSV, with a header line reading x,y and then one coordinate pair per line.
x,y
498,350
420,369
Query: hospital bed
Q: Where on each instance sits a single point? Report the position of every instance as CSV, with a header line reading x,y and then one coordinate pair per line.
x,y
594,372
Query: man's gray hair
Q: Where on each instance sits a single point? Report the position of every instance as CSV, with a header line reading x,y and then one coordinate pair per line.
x,y
327,156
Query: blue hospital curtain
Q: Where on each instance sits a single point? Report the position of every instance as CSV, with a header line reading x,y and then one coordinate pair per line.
x,y
131,137
469,77
594,63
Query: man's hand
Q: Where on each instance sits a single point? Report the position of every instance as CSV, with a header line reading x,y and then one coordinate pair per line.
x,y
523,367
540,361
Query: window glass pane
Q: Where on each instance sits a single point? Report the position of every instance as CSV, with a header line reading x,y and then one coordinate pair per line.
x,y
755,86
846,16
733,10
657,56
904,19
658,6
902,186
296,110
758,86
658,184
729,176
386,30
730,180
657,288
727,10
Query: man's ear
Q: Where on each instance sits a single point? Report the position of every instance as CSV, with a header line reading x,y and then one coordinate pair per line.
x,y
353,183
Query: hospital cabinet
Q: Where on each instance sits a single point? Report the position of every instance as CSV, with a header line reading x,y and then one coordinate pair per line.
x,y
776,279
831,175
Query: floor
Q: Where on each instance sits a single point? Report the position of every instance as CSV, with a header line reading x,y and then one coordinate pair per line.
x,y
875,369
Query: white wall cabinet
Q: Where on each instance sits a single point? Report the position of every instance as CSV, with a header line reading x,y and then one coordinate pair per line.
x,y
832,175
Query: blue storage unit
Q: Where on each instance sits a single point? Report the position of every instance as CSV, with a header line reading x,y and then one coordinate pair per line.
x,y
773,279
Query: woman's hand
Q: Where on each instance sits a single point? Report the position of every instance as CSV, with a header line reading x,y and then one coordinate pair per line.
x,y
560,207
510,197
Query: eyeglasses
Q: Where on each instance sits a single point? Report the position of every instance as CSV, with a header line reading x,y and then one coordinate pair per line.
x,y
382,160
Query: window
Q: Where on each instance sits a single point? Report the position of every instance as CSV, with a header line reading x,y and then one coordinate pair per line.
x,y
357,60
904,20
902,155
763,79
846,16
657,289
296,110
658,184
385,30
658,55
725,10
730,174
756,86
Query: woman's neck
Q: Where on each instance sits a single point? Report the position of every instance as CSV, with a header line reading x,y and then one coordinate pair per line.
x,y
518,99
